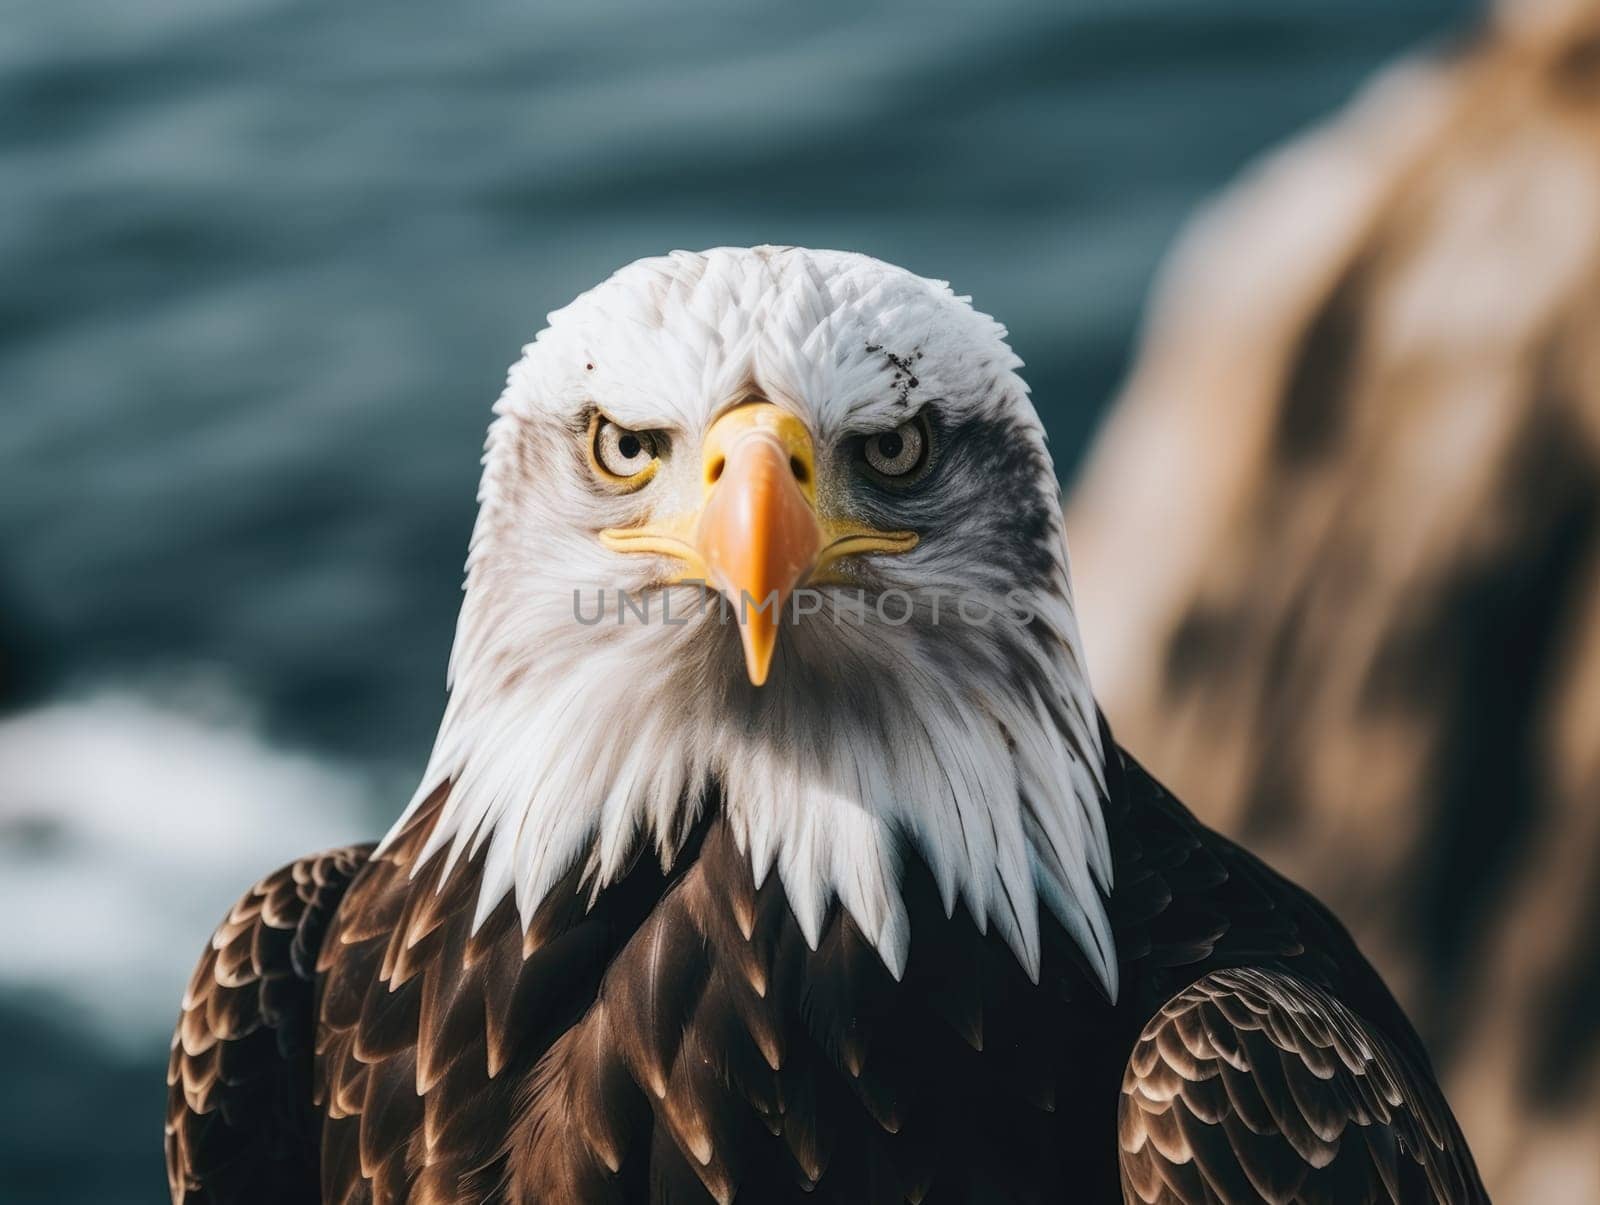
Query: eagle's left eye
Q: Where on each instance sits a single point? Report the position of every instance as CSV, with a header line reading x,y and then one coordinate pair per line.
x,y
622,455
898,456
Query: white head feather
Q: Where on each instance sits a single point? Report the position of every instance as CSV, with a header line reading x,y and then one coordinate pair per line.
x,y
974,746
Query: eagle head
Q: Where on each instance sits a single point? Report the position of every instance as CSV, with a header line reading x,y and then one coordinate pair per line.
x,y
776,530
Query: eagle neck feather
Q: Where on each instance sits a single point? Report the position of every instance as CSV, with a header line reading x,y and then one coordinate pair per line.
x,y
1000,794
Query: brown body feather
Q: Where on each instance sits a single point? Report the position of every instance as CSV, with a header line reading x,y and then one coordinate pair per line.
x,y
239,1077
677,1041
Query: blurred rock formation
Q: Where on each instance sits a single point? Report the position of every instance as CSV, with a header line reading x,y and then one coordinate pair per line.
x,y
1338,556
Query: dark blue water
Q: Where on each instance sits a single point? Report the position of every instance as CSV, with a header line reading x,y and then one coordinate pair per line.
x,y
263,265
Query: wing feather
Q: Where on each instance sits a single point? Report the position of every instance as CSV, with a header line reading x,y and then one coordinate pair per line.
x,y
239,1124
1271,1088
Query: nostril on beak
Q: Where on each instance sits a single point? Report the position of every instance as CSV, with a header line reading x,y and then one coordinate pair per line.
x,y
801,471
714,470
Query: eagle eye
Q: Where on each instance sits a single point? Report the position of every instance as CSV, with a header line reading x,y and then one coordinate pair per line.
x,y
620,456
899,456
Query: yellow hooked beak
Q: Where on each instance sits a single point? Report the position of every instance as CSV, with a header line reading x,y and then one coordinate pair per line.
x,y
757,533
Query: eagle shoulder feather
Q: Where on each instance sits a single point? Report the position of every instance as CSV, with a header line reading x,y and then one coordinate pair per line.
x,y
239,1126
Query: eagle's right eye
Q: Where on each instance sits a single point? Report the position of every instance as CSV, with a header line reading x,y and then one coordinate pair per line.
x,y
621,456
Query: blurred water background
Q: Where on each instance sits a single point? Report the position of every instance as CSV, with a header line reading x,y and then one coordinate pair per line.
x,y
262,267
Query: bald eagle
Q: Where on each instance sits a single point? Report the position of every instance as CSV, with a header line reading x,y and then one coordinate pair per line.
x,y
773,847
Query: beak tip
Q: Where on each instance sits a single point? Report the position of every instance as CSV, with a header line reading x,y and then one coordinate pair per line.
x,y
758,664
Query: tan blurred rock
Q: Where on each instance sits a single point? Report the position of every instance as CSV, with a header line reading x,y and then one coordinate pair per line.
x,y
1338,555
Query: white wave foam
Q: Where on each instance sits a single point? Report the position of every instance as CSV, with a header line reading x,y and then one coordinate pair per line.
x,y
127,828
